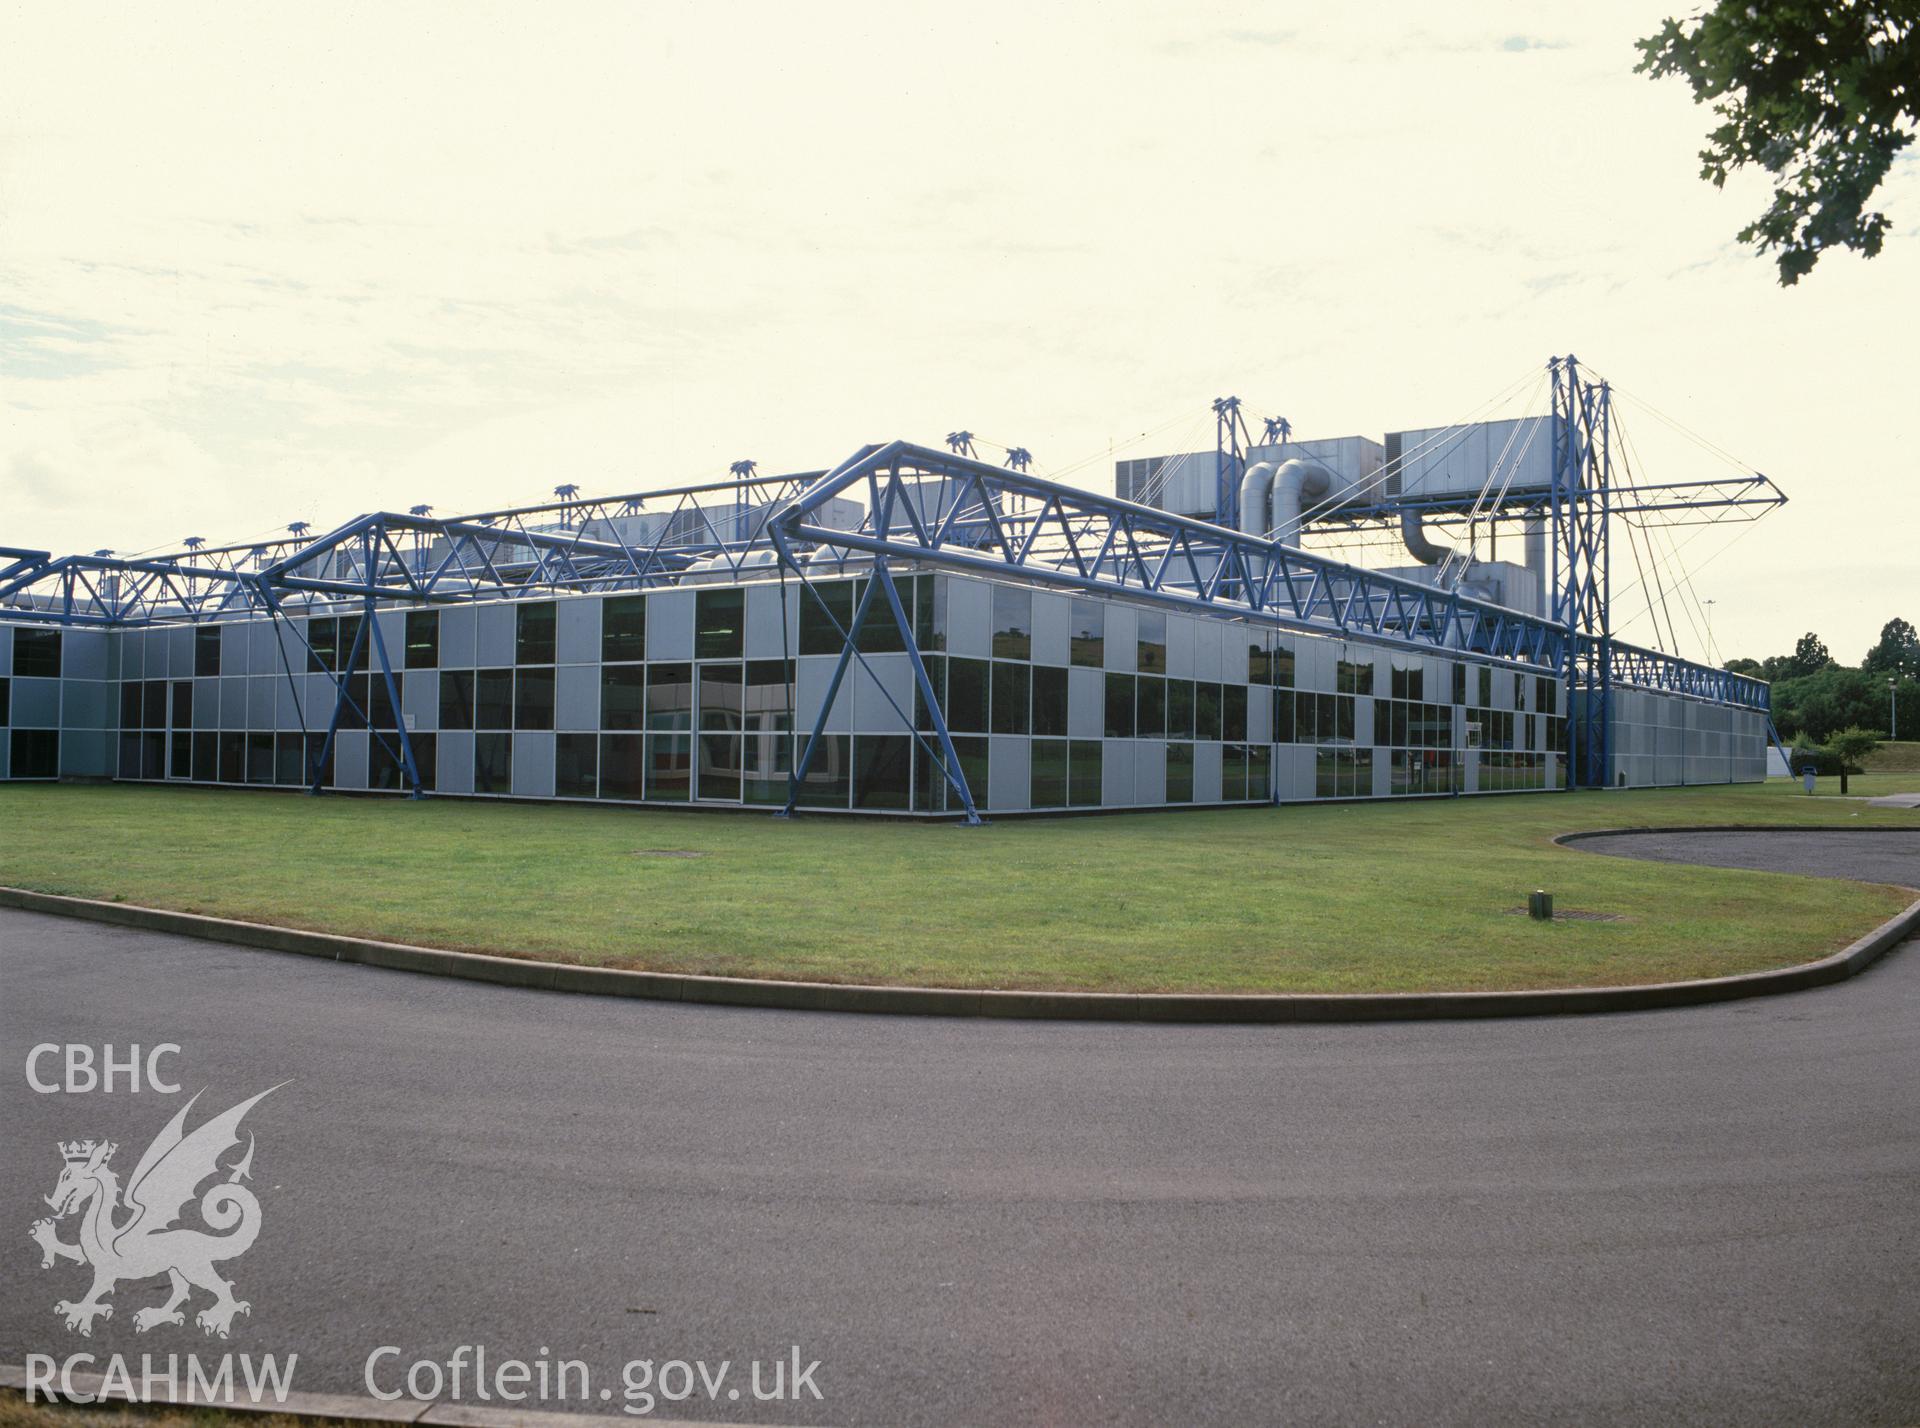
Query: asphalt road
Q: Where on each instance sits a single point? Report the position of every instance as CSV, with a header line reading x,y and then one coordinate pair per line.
x,y
1701,1215
1875,857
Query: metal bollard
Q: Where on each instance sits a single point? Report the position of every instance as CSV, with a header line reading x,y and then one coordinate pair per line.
x,y
1540,906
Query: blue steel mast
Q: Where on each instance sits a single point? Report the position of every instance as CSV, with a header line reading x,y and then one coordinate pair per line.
x,y
1582,508
1230,443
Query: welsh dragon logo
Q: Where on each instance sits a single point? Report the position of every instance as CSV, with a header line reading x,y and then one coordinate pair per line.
x,y
146,1243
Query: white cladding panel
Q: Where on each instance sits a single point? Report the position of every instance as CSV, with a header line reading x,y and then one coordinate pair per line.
x,y
1183,484
1460,461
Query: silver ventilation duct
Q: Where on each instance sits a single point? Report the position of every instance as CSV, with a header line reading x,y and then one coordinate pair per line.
x,y
1256,489
1421,546
1273,497
1294,484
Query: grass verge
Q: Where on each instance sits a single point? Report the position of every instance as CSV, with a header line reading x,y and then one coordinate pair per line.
x,y
1902,756
1317,898
16,1412
1861,785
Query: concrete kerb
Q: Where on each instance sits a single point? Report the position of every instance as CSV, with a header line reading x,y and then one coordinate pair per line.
x,y
952,1001
347,1407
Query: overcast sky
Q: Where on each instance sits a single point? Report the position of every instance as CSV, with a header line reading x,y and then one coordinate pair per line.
x,y
260,263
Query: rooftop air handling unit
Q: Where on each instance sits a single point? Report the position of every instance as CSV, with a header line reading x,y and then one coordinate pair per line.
x,y
1473,469
1460,462
1183,484
1288,485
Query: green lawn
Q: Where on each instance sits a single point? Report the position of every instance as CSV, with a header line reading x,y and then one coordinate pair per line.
x,y
1352,897
1862,785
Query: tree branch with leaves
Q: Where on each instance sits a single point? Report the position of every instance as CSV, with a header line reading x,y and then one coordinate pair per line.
x,y
1823,97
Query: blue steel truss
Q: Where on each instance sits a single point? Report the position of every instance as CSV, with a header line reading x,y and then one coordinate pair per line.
x,y
1040,531
1711,502
922,505
1037,530
572,544
923,508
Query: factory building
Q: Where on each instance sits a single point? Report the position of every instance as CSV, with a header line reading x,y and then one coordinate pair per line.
x,y
675,696
912,632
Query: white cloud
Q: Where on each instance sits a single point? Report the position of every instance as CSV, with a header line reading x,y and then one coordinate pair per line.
x,y
258,265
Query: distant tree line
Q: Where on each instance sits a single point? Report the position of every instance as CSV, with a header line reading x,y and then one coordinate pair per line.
x,y
1815,696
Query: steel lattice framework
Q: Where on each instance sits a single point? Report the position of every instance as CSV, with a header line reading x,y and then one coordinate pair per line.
x,y
923,508
1582,509
928,506
931,507
1578,508
408,558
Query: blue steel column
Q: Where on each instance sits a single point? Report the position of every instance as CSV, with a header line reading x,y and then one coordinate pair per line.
x,y
341,699
368,622
1588,517
956,776
293,685
393,695
1581,576
1228,460
881,581
1603,608
1565,462
805,760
